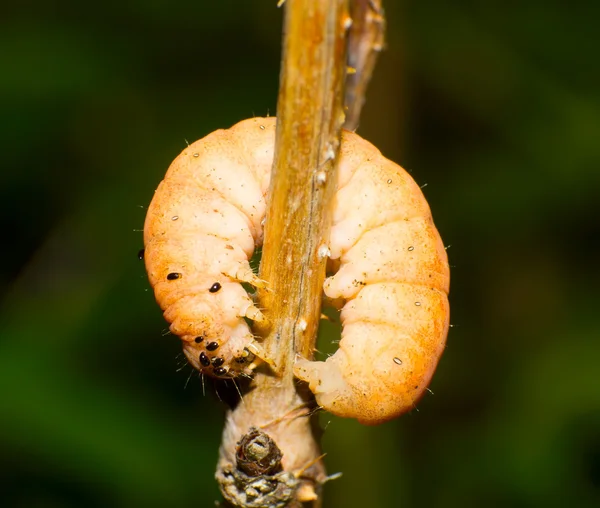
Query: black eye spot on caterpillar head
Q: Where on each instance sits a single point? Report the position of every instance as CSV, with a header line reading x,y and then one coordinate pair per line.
x,y
173,276
214,288
198,340
141,254
217,362
212,346
220,371
204,361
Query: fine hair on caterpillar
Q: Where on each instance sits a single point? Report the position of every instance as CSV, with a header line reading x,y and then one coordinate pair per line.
x,y
389,270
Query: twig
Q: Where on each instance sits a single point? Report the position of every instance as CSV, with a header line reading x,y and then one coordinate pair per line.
x,y
310,116
365,44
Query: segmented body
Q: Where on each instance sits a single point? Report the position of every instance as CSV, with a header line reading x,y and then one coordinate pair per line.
x,y
205,222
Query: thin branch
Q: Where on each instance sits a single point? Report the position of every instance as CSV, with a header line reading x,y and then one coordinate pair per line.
x,y
310,116
365,43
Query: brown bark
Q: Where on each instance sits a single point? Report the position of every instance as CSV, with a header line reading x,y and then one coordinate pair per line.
x,y
272,421
366,40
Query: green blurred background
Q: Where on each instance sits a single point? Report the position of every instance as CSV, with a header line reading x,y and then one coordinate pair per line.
x,y
495,105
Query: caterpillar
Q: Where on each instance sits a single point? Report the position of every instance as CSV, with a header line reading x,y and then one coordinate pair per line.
x,y
205,221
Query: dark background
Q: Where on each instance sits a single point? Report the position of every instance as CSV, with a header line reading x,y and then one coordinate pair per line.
x,y
495,105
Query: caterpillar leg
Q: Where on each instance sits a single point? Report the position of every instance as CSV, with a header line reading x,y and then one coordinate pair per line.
x,y
336,303
245,274
338,396
260,355
325,381
253,313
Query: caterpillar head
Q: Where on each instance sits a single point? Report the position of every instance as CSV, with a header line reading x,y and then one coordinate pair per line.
x,y
215,358
207,316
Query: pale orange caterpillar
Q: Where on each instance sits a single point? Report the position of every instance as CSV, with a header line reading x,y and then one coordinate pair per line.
x,y
205,221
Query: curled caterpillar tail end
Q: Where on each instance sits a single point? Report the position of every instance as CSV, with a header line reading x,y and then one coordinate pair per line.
x,y
320,378
342,398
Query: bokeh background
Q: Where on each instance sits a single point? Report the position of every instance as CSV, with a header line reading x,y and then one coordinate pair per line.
x,y
495,105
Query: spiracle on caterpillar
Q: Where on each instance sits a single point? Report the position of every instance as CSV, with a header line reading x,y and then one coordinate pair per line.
x,y
206,220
